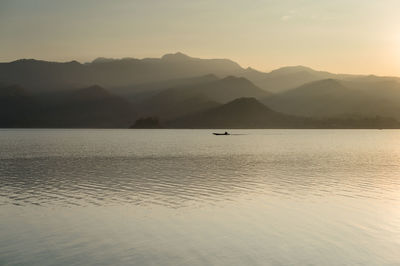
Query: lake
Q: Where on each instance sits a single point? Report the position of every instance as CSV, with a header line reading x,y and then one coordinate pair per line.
x,y
186,197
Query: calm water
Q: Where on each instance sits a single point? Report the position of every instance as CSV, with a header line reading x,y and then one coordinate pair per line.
x,y
185,197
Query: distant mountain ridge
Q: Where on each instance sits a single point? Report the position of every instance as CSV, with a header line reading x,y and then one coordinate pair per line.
x,y
35,93
92,107
112,73
178,101
239,113
250,113
333,98
141,92
43,75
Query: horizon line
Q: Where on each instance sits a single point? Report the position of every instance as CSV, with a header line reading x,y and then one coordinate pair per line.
x,y
61,61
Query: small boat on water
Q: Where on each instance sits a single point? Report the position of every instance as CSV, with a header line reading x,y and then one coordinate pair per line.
x,y
222,134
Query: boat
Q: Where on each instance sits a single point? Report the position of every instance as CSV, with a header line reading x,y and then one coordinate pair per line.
x,y
221,134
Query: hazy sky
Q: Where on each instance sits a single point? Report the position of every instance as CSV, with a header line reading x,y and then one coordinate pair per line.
x,y
352,36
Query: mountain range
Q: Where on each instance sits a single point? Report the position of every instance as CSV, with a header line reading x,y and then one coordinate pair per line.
x,y
250,113
183,91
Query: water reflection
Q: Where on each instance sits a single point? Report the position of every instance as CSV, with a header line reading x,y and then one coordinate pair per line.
x,y
277,197
184,181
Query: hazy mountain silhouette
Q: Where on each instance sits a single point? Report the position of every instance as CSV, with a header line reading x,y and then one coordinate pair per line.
x,y
184,100
42,75
330,98
139,93
222,90
131,72
171,104
287,78
319,98
380,87
88,107
250,113
291,77
177,85
239,113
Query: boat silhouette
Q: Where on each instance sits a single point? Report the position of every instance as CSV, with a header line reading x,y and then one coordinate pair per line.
x,y
222,134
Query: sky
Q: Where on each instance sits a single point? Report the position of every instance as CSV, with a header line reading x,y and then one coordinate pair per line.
x,y
340,36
